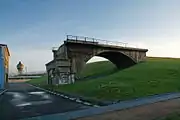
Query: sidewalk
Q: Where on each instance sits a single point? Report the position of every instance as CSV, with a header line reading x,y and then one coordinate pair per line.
x,y
145,112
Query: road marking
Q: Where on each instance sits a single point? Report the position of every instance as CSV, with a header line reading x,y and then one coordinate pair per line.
x,y
42,94
37,93
41,102
16,95
19,98
64,96
23,104
34,103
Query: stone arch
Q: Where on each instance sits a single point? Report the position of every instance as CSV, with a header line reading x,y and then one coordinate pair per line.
x,y
120,59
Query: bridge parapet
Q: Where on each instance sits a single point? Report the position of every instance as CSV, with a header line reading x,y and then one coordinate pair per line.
x,y
83,39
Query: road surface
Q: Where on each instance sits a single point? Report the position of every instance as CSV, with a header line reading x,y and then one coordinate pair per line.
x,y
23,101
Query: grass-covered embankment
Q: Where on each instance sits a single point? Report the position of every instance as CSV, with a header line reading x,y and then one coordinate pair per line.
x,y
155,76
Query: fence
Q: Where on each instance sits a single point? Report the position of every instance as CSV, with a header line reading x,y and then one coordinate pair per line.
x,y
99,41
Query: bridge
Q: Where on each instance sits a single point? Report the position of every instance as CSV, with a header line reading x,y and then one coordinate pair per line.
x,y
71,57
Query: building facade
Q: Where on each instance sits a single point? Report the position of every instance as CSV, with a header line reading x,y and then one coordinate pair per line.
x,y
4,65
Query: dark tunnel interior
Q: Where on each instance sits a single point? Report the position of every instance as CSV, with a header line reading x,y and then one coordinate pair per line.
x,y
119,59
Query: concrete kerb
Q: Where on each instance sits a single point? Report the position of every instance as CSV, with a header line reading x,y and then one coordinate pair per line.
x,y
78,100
110,108
2,92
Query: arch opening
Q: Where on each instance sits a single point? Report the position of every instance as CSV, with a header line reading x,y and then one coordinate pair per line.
x,y
121,60
97,67
105,63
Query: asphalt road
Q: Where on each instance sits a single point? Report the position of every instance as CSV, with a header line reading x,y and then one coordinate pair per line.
x,y
24,101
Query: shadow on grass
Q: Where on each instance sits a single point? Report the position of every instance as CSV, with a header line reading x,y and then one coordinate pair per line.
x,y
91,77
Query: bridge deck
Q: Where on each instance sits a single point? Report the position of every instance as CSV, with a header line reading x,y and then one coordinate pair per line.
x,y
99,44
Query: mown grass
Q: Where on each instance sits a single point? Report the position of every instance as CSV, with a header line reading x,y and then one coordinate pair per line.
x,y
42,81
98,69
155,76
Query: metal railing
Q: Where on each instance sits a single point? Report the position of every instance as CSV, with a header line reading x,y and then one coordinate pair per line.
x,y
97,41
55,48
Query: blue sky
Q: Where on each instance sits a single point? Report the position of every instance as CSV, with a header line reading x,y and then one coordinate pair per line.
x,y
32,27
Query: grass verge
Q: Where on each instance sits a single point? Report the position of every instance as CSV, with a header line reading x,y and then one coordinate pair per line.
x,y
95,69
42,81
155,76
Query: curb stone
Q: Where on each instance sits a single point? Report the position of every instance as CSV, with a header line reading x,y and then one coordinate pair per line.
x,y
85,99
1,92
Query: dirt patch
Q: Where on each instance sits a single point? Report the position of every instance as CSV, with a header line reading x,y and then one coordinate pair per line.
x,y
146,112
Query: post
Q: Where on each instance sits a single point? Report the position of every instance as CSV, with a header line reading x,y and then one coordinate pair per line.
x,y
26,69
76,38
125,44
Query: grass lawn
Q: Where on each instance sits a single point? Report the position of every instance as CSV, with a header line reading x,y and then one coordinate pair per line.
x,y
42,81
156,75
95,69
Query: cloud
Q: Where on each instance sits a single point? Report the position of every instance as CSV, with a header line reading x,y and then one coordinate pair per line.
x,y
160,46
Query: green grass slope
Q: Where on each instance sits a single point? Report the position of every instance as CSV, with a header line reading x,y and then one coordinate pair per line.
x,y
156,75
42,81
98,68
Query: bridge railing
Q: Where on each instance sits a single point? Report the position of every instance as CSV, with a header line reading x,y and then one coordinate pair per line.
x,y
94,40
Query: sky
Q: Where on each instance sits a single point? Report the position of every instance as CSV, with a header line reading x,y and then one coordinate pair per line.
x,y
31,28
